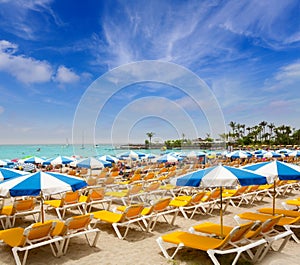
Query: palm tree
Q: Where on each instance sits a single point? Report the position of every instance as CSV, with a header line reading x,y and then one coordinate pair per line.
x,y
150,135
271,127
232,125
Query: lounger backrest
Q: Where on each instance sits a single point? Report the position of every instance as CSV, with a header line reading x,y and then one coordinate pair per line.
x,y
108,180
197,197
162,204
135,189
268,225
24,205
241,190
38,232
135,177
132,211
149,175
96,194
237,235
153,186
70,197
76,223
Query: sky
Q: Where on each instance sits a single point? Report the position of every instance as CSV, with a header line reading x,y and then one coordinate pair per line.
x,y
62,60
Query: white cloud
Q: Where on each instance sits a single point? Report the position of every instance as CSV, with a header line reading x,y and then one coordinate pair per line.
x,y
25,69
65,75
20,17
1,109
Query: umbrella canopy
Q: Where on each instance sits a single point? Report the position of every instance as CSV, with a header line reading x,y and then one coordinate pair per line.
x,y
168,158
131,154
109,158
37,183
8,173
220,176
271,154
285,171
295,153
194,154
239,154
3,163
60,160
32,159
92,163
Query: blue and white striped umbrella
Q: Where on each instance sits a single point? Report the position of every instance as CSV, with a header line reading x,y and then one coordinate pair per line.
x,y
168,158
38,183
8,173
3,163
109,158
32,159
295,153
239,154
284,171
221,176
273,154
59,160
92,163
131,154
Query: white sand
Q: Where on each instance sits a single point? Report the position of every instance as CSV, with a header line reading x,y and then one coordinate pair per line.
x,y
141,247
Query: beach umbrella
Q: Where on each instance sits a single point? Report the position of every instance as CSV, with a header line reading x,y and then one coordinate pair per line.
x,y
273,154
92,163
3,163
239,154
8,173
131,154
284,171
109,158
221,176
168,158
283,151
40,183
295,153
59,160
194,154
32,160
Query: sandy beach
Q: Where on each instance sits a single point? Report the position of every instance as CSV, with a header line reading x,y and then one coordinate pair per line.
x,y
141,247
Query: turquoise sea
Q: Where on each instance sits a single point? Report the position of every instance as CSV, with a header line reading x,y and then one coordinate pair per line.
x,y
53,150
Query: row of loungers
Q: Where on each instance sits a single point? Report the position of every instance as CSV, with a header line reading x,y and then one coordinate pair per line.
x,y
255,235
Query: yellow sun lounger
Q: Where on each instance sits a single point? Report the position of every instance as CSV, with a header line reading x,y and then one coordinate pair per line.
x,y
20,208
95,196
209,244
186,203
70,200
286,222
260,230
34,236
159,208
131,215
287,213
78,226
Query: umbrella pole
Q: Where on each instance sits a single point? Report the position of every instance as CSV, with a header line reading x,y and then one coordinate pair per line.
x,y
221,211
274,194
42,208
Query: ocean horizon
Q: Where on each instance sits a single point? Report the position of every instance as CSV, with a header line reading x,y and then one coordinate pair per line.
x,y
14,151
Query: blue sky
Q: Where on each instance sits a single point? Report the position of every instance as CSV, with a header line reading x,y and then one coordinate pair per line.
x,y
51,52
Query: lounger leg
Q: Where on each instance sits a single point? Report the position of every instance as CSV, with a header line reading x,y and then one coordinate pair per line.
x,y
17,258
160,243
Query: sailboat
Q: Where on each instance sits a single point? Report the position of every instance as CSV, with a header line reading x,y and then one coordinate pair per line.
x,y
82,144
